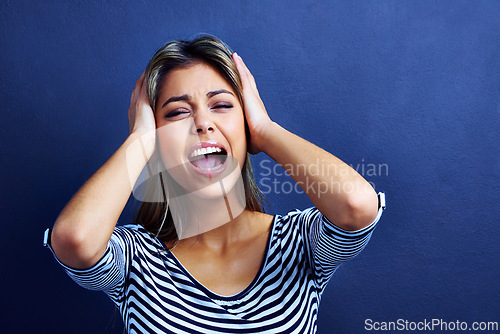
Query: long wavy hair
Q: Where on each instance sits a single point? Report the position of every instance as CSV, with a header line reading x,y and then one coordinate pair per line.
x,y
156,216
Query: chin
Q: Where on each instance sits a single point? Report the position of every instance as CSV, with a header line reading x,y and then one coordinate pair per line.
x,y
214,205
220,187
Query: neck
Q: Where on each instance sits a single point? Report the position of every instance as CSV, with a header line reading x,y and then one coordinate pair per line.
x,y
216,216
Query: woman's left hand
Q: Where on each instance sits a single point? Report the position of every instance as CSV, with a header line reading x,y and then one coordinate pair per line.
x,y
255,113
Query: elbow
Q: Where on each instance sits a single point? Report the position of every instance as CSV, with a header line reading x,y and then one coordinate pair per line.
x,y
362,210
64,239
71,246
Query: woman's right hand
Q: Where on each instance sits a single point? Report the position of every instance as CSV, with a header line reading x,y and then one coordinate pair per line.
x,y
141,117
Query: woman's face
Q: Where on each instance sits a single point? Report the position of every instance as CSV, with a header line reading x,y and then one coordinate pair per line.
x,y
201,129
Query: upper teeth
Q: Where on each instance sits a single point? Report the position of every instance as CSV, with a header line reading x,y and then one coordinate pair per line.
x,y
205,150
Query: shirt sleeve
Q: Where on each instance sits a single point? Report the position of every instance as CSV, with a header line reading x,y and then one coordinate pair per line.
x,y
327,246
110,272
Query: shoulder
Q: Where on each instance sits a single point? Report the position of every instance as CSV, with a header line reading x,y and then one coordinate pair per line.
x,y
298,215
300,223
263,222
263,218
293,223
131,229
133,234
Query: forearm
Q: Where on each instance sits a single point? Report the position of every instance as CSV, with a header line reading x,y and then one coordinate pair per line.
x,y
336,189
84,227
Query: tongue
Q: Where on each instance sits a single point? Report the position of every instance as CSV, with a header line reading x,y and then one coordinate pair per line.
x,y
208,162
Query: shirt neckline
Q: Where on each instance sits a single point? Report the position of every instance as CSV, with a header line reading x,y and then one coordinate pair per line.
x,y
243,292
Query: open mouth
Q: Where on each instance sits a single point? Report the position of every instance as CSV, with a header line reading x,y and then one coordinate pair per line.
x,y
210,158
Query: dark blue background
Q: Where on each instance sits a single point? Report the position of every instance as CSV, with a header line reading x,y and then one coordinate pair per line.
x,y
413,85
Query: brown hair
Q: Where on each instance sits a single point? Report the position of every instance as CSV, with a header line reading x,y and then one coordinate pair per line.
x,y
156,216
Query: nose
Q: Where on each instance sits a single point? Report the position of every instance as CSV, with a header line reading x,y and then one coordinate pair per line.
x,y
203,122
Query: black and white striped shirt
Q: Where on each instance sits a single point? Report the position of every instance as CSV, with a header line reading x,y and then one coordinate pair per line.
x,y
156,294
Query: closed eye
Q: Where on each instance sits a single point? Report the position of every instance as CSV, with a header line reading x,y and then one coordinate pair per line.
x,y
175,113
222,106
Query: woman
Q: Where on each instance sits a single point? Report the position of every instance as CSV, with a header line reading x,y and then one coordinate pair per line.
x,y
203,257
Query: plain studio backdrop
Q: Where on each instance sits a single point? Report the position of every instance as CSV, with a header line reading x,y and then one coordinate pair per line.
x,y
408,92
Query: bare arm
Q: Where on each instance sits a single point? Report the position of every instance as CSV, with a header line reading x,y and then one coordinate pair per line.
x,y
337,190
84,227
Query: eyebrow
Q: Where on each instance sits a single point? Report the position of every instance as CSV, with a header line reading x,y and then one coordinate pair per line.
x,y
218,91
176,98
186,97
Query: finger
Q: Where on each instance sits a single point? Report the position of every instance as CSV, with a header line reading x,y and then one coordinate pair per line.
x,y
143,96
245,72
139,87
140,80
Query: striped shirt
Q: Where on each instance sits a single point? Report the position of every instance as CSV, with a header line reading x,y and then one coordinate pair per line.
x,y
156,294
